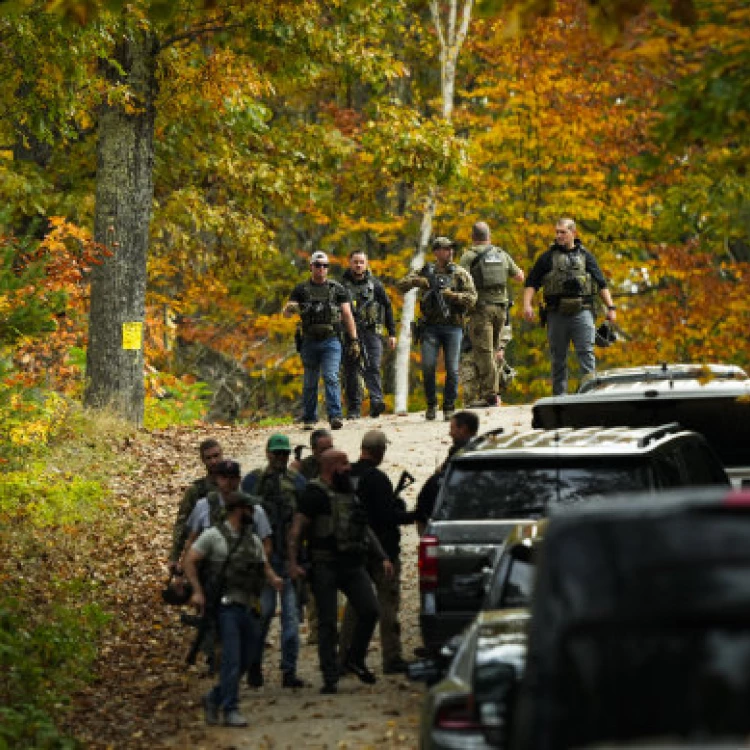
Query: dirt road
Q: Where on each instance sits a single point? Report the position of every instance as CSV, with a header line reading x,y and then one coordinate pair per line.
x,y
382,716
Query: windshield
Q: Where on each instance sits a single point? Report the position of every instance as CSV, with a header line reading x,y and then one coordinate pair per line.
x,y
486,490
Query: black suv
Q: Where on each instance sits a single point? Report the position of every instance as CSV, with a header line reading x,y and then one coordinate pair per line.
x,y
501,479
640,625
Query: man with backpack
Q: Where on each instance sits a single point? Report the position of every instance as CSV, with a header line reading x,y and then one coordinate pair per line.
x,y
490,268
278,488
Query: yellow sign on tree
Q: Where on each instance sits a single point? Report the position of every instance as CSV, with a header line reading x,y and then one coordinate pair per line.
x,y
132,335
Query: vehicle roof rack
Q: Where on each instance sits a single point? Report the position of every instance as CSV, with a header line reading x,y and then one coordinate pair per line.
x,y
659,432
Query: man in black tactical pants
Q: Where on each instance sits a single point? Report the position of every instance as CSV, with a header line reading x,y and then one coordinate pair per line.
x,y
339,540
373,315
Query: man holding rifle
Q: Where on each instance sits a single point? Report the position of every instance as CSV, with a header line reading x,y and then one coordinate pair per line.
x,y
237,570
446,294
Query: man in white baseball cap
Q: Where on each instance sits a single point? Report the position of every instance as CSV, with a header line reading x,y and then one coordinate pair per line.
x,y
324,308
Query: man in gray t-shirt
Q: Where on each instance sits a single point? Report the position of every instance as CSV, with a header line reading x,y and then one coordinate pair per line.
x,y
235,561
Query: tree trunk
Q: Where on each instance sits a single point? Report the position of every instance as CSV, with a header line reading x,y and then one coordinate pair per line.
x,y
403,349
451,37
124,196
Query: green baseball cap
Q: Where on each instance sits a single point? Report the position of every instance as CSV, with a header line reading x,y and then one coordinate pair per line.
x,y
279,442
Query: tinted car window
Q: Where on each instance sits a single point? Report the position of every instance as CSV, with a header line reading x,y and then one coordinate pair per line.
x,y
513,589
701,464
523,489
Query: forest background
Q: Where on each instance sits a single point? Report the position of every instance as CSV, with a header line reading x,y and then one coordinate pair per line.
x,y
172,165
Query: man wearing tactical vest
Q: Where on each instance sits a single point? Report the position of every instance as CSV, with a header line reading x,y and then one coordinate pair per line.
x,y
490,268
446,294
210,453
238,568
323,306
340,541
373,315
278,489
570,278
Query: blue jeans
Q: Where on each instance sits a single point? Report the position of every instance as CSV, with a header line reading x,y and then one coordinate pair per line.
x,y
289,619
433,337
239,630
561,331
322,355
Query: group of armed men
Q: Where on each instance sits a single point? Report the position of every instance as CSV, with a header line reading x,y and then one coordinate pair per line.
x,y
325,525
320,522
470,296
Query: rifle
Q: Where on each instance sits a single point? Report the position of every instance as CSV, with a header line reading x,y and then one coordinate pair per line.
x,y
404,481
437,284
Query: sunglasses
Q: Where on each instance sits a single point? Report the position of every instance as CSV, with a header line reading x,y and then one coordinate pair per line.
x,y
320,265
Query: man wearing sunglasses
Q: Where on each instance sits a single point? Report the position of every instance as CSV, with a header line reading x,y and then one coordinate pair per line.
x,y
324,307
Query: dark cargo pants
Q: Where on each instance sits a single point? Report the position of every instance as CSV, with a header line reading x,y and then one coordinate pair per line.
x,y
355,583
373,346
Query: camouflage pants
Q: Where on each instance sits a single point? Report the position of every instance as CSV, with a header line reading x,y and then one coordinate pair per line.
x,y
389,598
486,329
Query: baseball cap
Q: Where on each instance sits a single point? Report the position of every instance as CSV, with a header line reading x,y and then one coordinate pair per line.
x,y
279,442
374,439
442,242
227,468
318,257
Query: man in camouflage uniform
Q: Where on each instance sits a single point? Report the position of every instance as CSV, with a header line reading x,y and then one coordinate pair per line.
x,y
490,268
446,294
210,453
373,315
324,309
571,278
236,560
278,489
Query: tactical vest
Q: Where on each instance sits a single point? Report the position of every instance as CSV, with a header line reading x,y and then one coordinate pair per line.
x,y
428,306
279,500
245,569
320,314
489,268
568,277
367,311
346,525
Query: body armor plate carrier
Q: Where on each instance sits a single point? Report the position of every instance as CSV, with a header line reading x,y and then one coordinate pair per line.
x,y
319,312
346,525
489,269
367,312
568,280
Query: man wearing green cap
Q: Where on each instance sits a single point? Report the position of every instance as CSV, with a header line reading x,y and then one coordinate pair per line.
x,y
277,487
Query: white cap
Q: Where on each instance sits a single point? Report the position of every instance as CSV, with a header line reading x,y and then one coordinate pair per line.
x,y
318,257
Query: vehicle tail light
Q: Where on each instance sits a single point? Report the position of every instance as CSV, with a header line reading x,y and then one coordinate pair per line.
x,y
427,562
458,714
